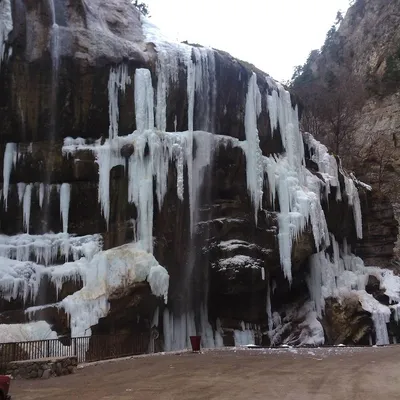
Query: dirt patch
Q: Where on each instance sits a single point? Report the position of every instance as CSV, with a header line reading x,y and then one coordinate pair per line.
x,y
317,374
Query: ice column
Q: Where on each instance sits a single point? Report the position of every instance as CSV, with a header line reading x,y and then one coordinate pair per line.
x,y
65,194
144,100
254,167
27,206
10,160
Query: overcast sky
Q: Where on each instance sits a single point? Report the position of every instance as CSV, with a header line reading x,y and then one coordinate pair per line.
x,y
274,35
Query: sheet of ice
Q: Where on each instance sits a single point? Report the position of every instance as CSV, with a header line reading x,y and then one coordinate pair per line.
x,y
10,160
46,249
205,146
254,162
170,54
177,330
205,89
144,100
153,153
284,115
6,26
354,201
26,332
118,80
299,199
245,336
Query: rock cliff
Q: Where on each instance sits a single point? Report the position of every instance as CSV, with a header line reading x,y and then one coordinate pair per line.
x,y
149,184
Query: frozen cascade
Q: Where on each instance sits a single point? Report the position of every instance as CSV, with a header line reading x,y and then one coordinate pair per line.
x,y
254,167
204,153
245,336
298,190
206,90
354,201
380,320
282,114
118,80
27,206
65,194
144,100
6,26
10,160
163,147
169,55
299,205
342,275
45,249
327,165
102,275
178,329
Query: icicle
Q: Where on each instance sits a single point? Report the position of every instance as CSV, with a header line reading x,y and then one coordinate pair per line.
x,y
118,79
10,160
21,190
27,207
144,100
41,194
6,26
65,194
254,167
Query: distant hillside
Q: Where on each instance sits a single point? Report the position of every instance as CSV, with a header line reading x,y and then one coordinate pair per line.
x,y
350,89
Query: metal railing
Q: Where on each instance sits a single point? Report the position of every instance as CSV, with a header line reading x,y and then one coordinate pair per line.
x,y
86,348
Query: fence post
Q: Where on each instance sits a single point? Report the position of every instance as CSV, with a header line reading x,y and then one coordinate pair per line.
x,y
48,349
14,351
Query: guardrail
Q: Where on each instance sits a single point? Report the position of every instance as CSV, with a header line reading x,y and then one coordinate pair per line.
x,y
86,348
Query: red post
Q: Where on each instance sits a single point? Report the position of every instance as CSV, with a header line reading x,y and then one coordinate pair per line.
x,y
195,342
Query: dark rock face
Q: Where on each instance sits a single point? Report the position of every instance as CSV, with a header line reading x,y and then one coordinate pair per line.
x,y
233,259
346,322
380,230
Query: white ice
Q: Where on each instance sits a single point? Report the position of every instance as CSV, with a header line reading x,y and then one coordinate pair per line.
x,y
10,161
6,26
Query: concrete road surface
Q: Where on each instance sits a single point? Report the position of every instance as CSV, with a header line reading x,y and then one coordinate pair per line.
x,y
281,374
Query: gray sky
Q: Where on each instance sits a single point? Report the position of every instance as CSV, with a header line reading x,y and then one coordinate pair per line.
x,y
274,35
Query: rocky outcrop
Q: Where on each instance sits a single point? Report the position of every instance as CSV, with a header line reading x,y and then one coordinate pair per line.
x,y
380,230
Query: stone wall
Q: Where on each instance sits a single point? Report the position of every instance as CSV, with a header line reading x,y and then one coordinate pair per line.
x,y
43,368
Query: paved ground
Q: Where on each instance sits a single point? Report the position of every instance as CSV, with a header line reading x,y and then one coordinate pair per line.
x,y
290,374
